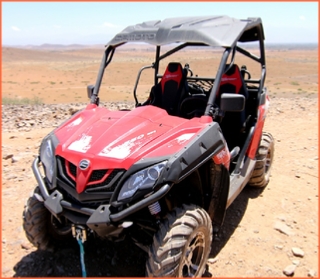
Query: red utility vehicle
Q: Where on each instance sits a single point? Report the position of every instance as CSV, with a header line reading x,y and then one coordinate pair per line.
x,y
165,172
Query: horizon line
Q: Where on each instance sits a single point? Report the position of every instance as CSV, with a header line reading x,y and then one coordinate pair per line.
x,y
94,44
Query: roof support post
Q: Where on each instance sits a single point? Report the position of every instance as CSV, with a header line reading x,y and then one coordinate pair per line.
x,y
217,81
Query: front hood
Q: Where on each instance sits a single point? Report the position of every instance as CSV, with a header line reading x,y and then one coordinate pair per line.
x,y
118,139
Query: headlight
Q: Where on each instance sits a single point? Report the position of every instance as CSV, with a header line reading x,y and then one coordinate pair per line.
x,y
144,179
47,159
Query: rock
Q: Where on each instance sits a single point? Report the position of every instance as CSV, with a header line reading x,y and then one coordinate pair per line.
x,y
12,177
212,260
26,246
289,270
296,262
280,247
73,110
297,252
21,124
15,160
8,156
283,228
312,273
5,270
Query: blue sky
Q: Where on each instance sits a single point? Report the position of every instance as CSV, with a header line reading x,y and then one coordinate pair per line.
x,y
36,23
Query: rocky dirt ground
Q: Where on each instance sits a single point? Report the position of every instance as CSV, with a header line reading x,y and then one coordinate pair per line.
x,y
271,232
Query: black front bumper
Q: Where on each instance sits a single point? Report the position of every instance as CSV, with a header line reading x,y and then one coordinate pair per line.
x,y
100,220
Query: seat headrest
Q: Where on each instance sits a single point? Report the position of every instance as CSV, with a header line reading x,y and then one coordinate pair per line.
x,y
232,76
173,72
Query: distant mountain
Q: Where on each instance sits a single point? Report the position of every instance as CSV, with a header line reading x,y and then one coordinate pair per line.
x,y
291,46
58,47
146,47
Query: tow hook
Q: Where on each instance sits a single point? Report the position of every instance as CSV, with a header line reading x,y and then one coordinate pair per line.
x,y
80,233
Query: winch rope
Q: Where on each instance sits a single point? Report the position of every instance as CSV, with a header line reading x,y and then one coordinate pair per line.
x,y
83,266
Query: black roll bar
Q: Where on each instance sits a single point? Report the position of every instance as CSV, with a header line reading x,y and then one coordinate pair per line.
x,y
137,81
106,59
216,85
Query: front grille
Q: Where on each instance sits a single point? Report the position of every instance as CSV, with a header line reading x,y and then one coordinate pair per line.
x,y
109,184
67,172
62,172
89,204
72,169
107,188
97,175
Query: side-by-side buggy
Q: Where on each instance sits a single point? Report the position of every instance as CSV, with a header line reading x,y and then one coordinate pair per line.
x,y
165,172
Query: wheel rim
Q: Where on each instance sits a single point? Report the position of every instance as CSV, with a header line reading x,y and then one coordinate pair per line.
x,y
193,256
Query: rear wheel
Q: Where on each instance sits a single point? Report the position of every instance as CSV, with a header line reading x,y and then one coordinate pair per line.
x,y
264,158
41,227
182,245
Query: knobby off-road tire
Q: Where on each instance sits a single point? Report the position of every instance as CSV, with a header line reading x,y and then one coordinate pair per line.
x,y
264,158
182,244
41,228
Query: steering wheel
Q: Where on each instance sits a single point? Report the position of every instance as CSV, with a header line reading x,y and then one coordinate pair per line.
x,y
196,89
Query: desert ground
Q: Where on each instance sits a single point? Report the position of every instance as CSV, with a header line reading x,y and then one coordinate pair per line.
x,y
267,232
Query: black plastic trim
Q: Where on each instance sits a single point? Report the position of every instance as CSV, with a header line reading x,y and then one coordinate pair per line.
x,y
207,143
83,197
201,149
89,211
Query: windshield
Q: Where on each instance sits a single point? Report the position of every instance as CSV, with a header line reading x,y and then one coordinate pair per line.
x,y
121,74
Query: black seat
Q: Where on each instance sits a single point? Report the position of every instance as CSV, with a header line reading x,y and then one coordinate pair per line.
x,y
232,124
171,89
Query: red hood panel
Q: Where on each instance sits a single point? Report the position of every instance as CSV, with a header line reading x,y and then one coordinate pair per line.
x,y
120,138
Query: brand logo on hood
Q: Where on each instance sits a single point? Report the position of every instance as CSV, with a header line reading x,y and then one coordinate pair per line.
x,y
84,164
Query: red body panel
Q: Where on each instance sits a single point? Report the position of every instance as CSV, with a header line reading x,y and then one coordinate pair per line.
x,y
118,139
252,150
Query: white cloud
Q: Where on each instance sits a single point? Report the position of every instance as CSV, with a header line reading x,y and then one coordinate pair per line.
x,y
110,25
14,28
302,17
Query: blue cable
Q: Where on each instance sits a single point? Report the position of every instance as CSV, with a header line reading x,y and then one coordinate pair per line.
x,y
83,267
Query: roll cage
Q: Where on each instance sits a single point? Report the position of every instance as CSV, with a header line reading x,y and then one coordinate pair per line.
x,y
192,29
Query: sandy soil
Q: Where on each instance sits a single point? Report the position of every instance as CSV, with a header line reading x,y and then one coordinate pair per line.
x,y
62,76
263,227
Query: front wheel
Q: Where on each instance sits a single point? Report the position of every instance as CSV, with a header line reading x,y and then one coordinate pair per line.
x,y
264,158
182,244
42,229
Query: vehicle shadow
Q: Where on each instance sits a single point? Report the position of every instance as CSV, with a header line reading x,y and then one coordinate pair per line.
x,y
233,217
102,259
118,259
